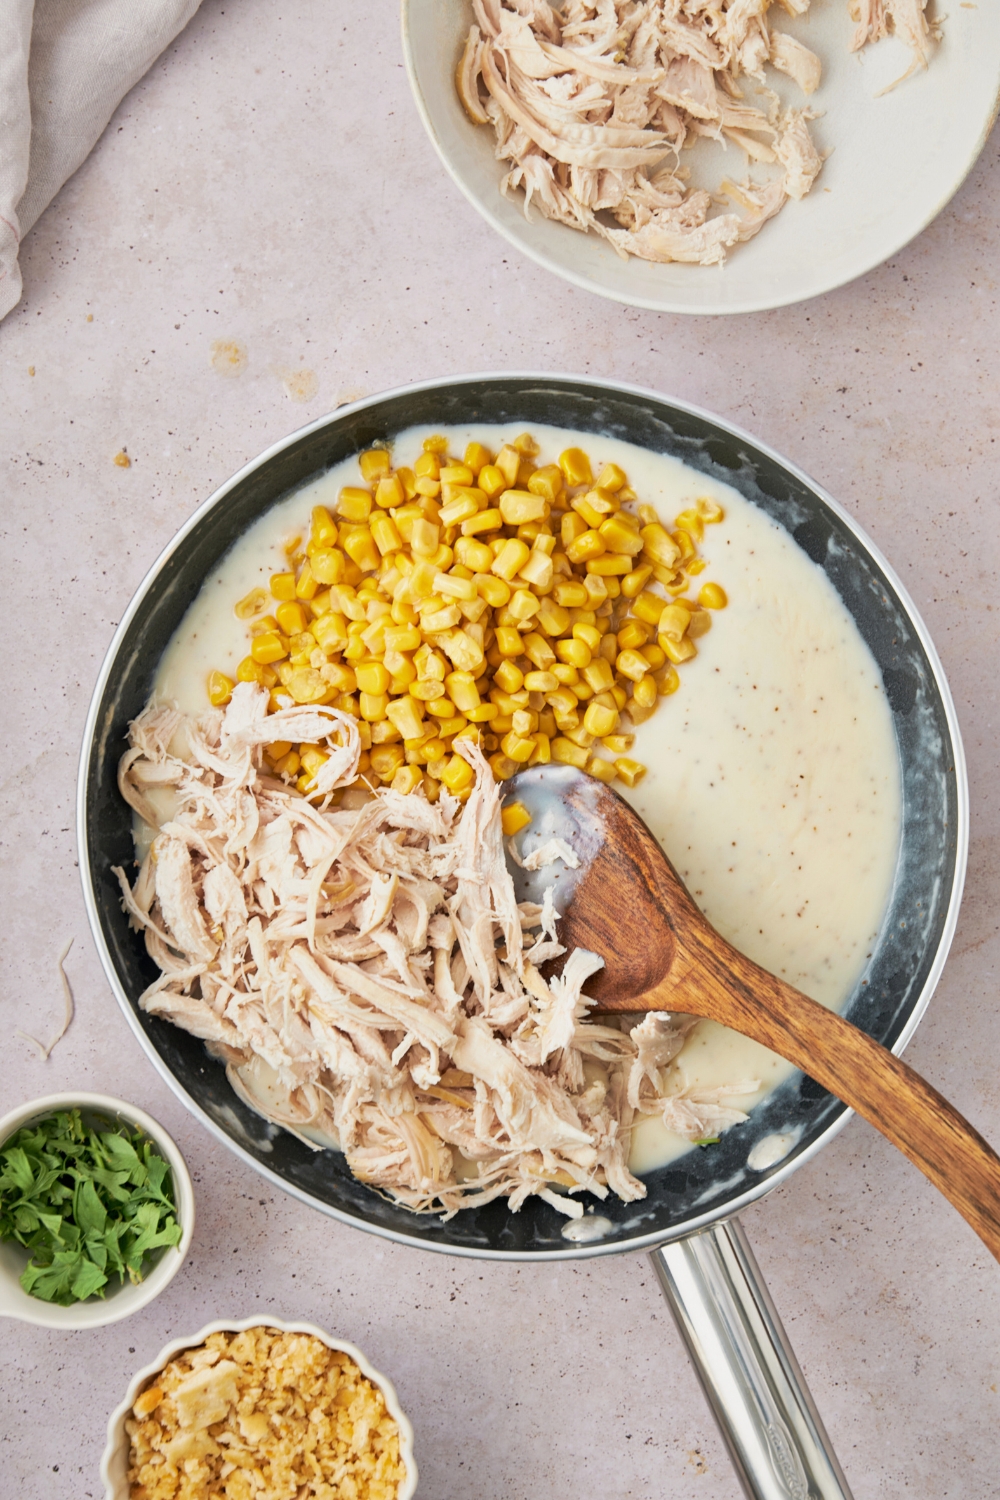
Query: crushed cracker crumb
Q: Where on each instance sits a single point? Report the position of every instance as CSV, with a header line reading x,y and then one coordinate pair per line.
x,y
263,1415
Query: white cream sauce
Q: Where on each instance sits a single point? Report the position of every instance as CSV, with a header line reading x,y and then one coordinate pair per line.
x,y
773,779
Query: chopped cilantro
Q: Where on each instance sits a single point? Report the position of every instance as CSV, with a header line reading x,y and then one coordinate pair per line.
x,y
91,1201
708,1140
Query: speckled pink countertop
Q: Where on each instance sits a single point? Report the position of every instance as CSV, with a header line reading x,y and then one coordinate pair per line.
x,y
269,184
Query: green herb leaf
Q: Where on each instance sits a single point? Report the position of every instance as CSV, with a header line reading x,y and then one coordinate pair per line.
x,y
88,1279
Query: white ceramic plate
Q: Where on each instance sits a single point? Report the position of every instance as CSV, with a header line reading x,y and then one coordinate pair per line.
x,y
122,1299
895,162
114,1463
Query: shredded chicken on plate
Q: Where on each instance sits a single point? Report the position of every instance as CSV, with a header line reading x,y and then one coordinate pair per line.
x,y
593,104
368,975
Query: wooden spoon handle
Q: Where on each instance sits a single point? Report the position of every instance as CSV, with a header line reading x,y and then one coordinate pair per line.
x,y
725,985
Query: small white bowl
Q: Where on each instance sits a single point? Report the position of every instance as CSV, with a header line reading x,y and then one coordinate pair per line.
x,y
121,1301
114,1463
895,162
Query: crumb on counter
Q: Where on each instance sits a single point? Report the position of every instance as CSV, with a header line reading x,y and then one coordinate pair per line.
x,y
122,460
262,1414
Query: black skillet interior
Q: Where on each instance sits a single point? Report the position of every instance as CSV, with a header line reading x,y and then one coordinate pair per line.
x,y
705,1181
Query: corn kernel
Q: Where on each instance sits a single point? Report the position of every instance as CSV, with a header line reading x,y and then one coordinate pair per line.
x,y
601,769
508,677
710,511
691,522
599,676
648,607
428,487
387,760
570,527
361,549
539,651
630,664
660,546
610,478
459,508
541,682
407,779
373,705
308,583
684,544
454,587
667,680
374,464
575,653
328,565
428,465
291,618
354,504
457,773
674,621
575,466
372,677
508,461
476,457
492,481
630,771
701,623
462,689
632,635
283,586
712,596
502,766
510,559
655,656
517,747
547,482
598,589
513,818
473,555
486,520
542,753
523,605
389,492
306,685
268,647
588,545
610,565
387,538
220,689
552,618
568,754
570,595
620,537
634,583
599,720
644,692
518,506
678,651
254,603
407,716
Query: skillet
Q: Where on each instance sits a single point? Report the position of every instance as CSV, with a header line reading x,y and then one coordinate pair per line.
x,y
703,1188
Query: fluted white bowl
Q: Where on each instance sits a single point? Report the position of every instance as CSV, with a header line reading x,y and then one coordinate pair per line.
x,y
114,1463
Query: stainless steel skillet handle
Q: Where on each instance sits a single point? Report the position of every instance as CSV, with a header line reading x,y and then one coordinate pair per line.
x,y
745,1363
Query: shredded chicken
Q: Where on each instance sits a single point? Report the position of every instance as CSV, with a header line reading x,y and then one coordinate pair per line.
x,y
68,1011
367,975
593,104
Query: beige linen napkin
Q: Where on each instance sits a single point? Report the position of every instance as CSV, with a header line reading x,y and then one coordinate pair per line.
x,y
65,66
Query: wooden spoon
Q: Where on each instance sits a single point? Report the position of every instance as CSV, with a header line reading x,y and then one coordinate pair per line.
x,y
627,903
